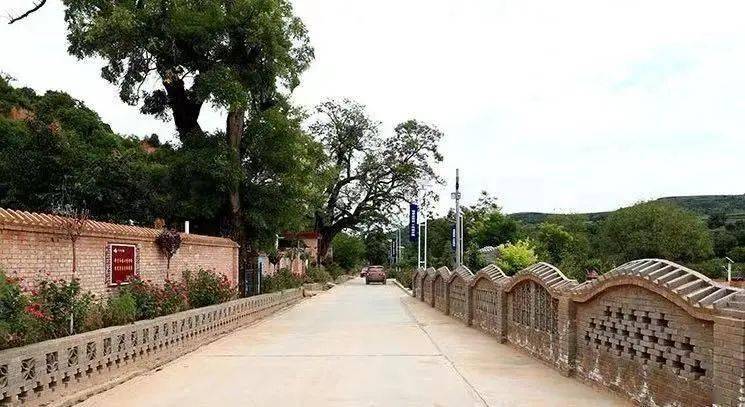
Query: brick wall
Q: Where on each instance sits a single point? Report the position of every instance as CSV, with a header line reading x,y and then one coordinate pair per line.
x,y
457,298
651,330
34,245
438,288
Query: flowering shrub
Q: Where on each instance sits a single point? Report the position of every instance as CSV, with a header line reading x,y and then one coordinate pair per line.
x,y
54,303
45,309
205,287
15,323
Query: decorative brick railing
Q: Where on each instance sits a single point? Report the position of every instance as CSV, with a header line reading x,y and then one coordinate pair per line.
x,y
69,367
651,330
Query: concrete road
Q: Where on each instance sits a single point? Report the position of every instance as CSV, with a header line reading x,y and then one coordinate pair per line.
x,y
355,345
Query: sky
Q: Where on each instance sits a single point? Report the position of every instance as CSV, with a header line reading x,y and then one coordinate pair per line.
x,y
570,106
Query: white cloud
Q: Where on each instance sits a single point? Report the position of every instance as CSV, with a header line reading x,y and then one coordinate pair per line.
x,y
572,105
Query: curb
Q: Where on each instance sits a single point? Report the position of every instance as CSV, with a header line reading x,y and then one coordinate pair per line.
x,y
404,289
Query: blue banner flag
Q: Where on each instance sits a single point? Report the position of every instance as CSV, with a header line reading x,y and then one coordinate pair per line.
x,y
413,224
452,238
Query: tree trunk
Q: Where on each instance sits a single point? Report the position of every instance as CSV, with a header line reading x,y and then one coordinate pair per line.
x,y
235,127
184,107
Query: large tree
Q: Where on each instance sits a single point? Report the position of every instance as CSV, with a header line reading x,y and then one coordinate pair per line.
x,y
655,229
239,55
372,175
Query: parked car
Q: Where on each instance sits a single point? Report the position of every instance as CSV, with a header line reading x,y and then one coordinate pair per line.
x,y
364,271
375,274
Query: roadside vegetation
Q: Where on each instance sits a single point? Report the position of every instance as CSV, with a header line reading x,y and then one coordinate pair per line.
x,y
34,311
578,244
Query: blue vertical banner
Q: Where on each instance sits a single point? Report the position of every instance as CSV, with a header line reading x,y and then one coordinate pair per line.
x,y
413,224
453,238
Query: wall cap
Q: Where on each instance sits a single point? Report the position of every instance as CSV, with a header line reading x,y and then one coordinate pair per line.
x,y
41,222
680,283
545,274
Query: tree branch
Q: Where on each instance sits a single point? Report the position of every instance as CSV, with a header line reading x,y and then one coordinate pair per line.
x,y
34,9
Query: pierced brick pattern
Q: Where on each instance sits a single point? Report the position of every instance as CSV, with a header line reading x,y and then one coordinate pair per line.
x,y
28,369
52,362
646,336
439,289
633,333
457,298
58,368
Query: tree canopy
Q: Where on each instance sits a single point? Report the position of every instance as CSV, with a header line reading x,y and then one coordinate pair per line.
x,y
372,175
657,230
224,52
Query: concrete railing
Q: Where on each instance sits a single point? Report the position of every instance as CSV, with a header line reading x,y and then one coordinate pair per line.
x,y
651,330
70,367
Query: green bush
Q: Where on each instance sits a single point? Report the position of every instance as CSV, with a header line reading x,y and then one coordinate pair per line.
x,y
144,294
206,287
173,297
317,275
281,280
335,270
56,301
737,254
711,268
17,327
403,276
121,309
517,256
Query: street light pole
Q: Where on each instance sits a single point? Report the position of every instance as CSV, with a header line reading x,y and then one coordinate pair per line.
x,y
458,222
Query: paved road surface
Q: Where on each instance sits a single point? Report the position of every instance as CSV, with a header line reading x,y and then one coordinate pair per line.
x,y
355,345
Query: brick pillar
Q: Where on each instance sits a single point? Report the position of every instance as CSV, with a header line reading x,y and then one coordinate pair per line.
x,y
501,315
446,296
566,322
728,378
469,304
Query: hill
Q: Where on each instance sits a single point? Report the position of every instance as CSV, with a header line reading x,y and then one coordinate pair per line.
x,y
731,206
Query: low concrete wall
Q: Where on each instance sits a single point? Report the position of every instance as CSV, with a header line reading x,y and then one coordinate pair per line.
x,y
650,330
54,370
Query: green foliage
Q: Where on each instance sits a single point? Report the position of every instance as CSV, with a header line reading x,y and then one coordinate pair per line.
x,y
737,254
404,276
63,154
121,309
17,327
283,279
237,53
514,257
473,259
371,175
493,229
656,230
376,246
318,275
281,164
554,242
206,287
57,302
145,297
349,250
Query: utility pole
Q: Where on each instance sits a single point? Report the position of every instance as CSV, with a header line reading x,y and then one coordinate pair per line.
x,y
729,269
458,222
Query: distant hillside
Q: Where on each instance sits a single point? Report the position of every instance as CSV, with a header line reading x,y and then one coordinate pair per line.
x,y
733,206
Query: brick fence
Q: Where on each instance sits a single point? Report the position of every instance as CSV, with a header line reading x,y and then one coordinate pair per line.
x,y
74,366
33,243
651,330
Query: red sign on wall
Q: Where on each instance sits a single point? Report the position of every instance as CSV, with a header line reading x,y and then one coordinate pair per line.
x,y
122,263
